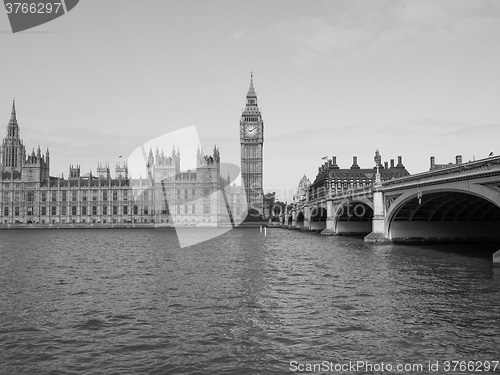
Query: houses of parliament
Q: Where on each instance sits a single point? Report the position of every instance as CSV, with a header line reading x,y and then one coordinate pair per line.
x,y
166,196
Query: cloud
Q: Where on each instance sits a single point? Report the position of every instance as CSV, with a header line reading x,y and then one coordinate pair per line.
x,y
387,23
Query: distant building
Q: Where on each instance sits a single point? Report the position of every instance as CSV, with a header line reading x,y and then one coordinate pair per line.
x,y
302,190
28,194
330,175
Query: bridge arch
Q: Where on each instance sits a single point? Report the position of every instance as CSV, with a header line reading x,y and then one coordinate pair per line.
x,y
353,216
319,214
463,213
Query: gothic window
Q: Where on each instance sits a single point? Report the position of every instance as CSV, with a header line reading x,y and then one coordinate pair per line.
x,y
6,211
115,210
84,210
73,210
125,210
115,195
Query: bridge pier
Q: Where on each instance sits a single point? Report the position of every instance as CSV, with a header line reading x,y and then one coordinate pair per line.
x,y
378,234
330,220
307,218
496,258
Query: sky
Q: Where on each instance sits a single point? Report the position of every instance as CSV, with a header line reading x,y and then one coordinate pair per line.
x,y
333,78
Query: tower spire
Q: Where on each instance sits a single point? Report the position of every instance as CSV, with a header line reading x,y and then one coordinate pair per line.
x,y
13,118
251,92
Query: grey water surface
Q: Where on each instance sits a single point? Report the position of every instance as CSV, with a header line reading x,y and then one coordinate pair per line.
x,y
133,302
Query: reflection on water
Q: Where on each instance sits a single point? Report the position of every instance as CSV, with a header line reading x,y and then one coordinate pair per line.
x,y
127,302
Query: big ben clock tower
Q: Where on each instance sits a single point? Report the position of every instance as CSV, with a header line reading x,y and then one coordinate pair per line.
x,y
252,140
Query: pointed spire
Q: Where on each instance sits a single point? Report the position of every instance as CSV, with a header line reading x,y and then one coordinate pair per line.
x,y
251,90
13,113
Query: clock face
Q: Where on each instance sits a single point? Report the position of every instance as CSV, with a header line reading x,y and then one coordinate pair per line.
x,y
251,130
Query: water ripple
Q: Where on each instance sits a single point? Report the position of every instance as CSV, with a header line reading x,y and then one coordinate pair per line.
x,y
128,302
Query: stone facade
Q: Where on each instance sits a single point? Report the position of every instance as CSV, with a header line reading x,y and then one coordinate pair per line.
x,y
28,194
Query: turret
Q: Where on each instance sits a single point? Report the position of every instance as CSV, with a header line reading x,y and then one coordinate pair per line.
x,y
74,172
151,159
121,172
103,171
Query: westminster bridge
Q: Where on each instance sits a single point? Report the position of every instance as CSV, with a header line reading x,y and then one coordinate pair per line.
x,y
457,203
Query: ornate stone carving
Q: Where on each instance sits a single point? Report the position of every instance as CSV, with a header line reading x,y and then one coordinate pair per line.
x,y
389,199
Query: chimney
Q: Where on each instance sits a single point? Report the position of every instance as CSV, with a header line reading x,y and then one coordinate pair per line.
x,y
458,159
392,163
386,165
433,163
400,161
355,163
334,162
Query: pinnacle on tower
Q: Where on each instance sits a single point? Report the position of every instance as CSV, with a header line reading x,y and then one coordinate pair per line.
x,y
13,118
251,90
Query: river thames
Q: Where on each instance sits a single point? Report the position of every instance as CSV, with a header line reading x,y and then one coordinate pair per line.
x,y
134,302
